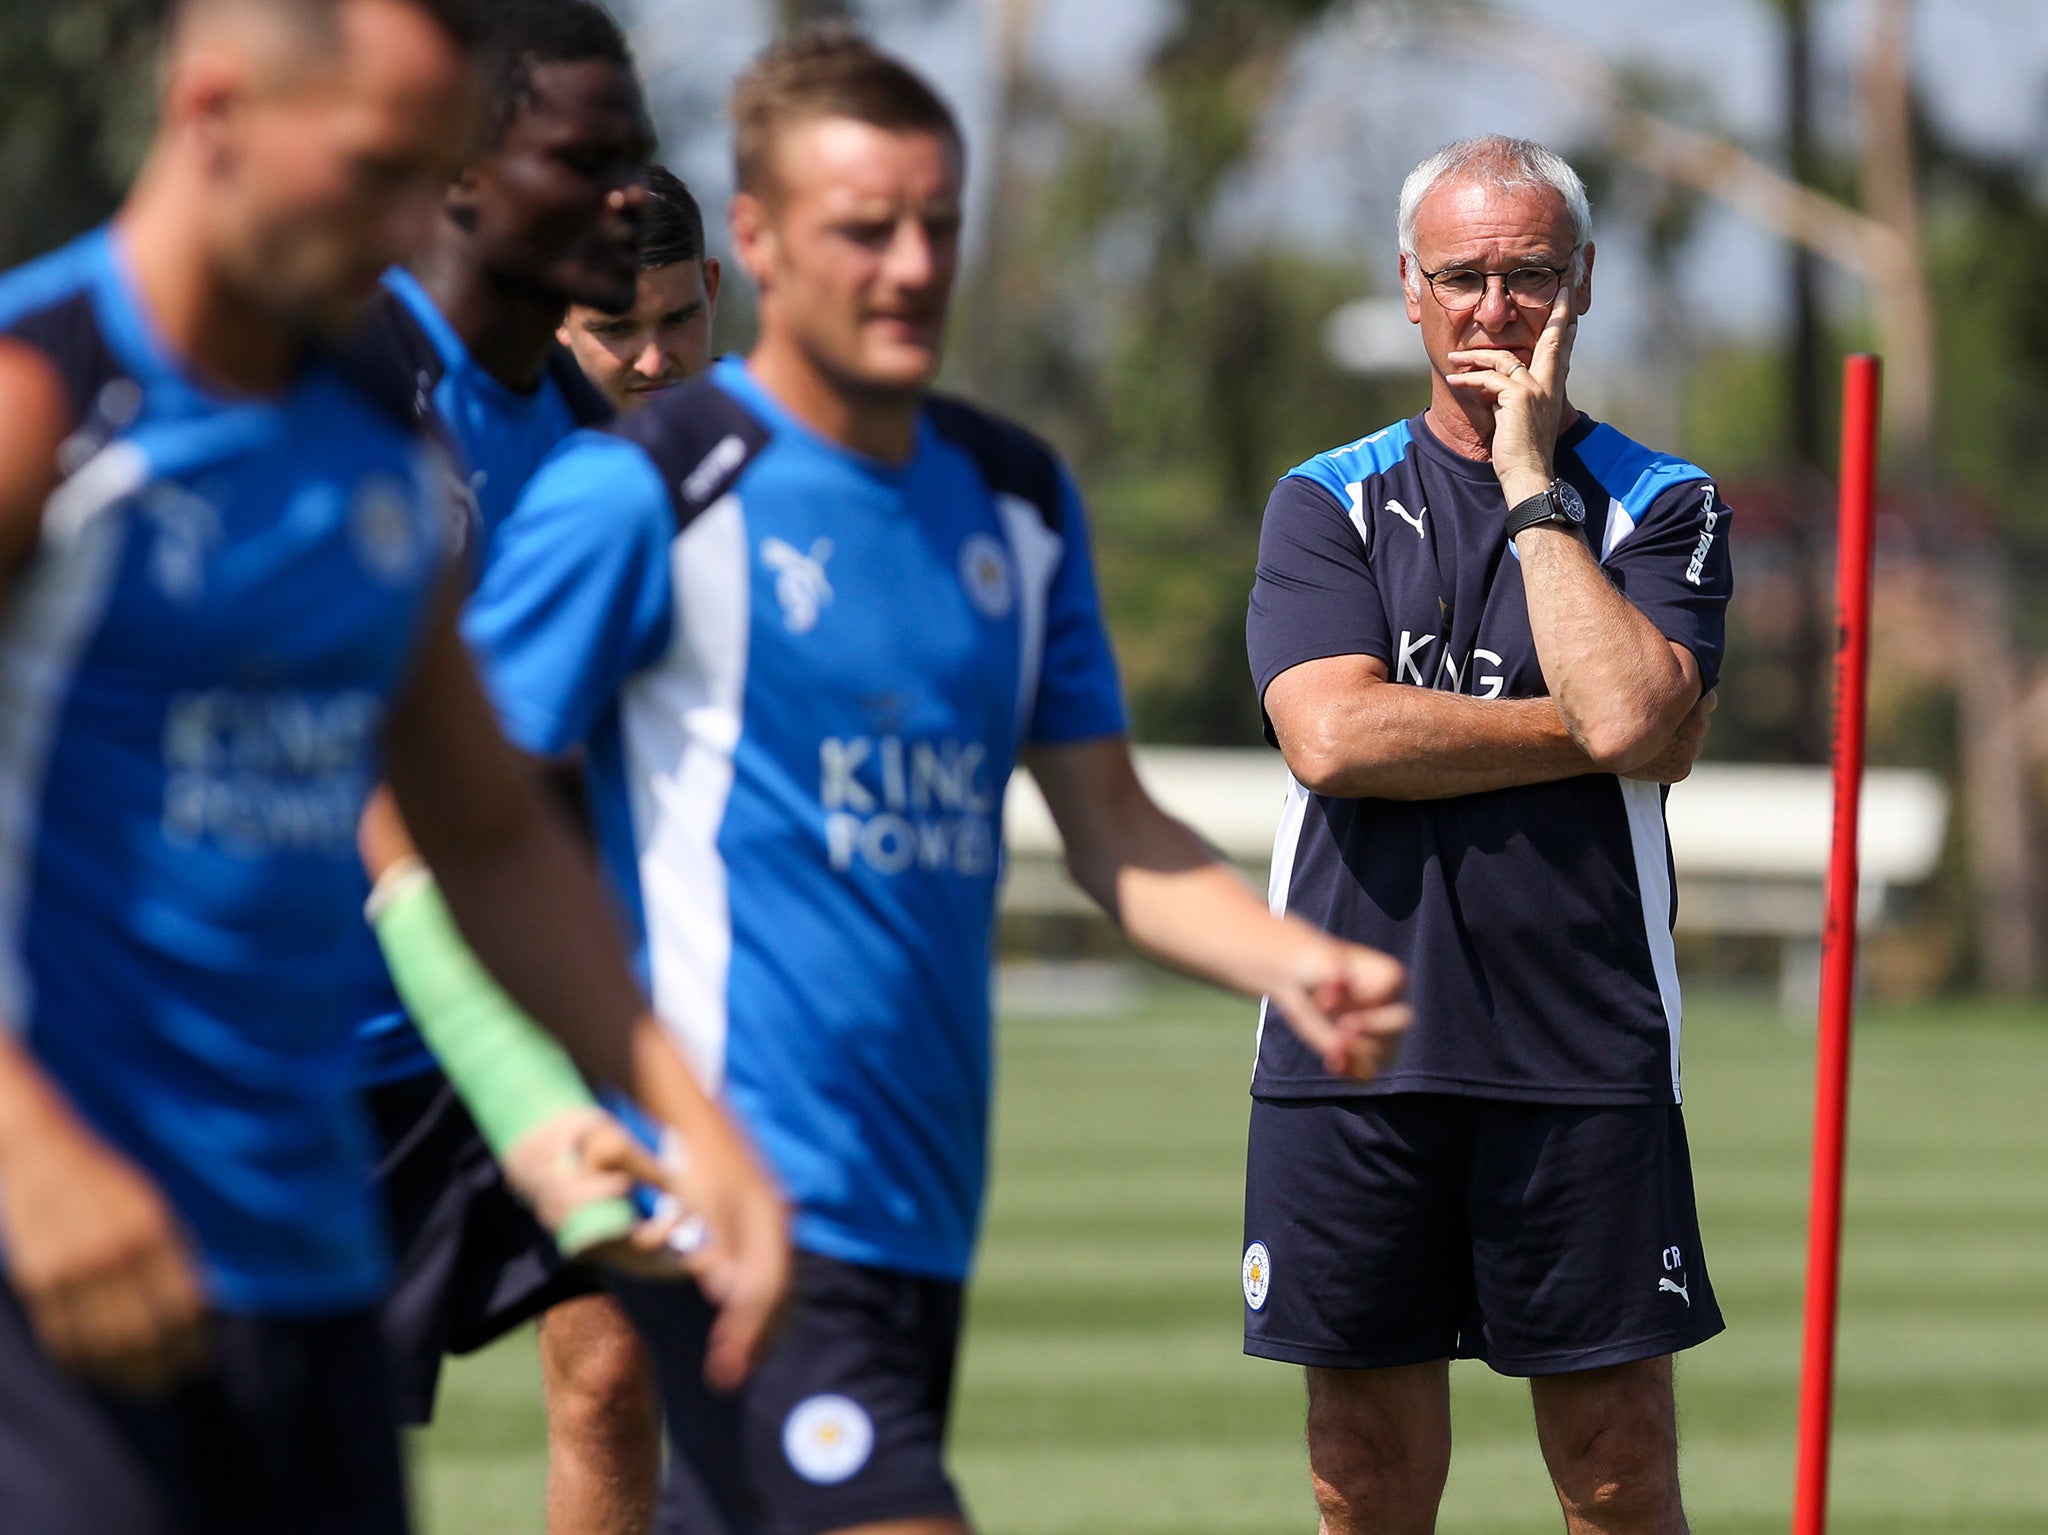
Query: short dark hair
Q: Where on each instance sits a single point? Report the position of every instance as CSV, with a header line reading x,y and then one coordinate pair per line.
x,y
672,229
524,33
827,71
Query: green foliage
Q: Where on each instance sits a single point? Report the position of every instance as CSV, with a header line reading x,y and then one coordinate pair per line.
x,y
1204,413
1180,376
77,78
1984,265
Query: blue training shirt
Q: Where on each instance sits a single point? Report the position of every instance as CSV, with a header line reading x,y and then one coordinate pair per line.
x,y
1535,921
498,436
195,670
803,678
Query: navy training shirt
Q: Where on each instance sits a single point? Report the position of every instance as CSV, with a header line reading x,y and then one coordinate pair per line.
x,y
1535,921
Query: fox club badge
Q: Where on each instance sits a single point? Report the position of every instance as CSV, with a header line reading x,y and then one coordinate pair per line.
x,y
985,572
1258,1275
827,1439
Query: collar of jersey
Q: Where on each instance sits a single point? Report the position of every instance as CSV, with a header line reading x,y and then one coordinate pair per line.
x,y
142,348
455,354
737,380
1479,470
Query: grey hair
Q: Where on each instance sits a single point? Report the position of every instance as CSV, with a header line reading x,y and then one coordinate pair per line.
x,y
1501,164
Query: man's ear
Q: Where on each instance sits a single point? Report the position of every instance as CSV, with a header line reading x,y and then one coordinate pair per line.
x,y
202,97
753,236
714,274
1411,288
460,199
1582,295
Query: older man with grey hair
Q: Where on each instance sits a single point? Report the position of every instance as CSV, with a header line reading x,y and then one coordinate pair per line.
x,y
1486,638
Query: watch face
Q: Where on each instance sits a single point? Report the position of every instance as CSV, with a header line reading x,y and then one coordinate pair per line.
x,y
1568,500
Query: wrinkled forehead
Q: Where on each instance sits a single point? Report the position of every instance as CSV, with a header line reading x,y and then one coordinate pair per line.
x,y
1470,215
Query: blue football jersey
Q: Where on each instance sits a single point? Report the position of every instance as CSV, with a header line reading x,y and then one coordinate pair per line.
x,y
498,436
195,671
1535,921
803,678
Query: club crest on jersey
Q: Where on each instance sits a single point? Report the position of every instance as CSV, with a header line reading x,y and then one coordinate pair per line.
x,y
827,1439
388,542
1258,1275
985,572
800,584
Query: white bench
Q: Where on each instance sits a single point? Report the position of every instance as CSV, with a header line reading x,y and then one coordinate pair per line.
x,y
1750,842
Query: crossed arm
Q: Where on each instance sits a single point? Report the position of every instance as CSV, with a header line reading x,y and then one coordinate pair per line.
x,y
1622,698
1348,732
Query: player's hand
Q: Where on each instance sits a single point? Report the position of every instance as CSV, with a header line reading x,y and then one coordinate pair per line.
x,y
579,1170
1674,763
100,1263
1527,398
743,1263
1344,1001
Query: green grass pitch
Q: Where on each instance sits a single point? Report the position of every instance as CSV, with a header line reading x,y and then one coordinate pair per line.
x,y
1103,1393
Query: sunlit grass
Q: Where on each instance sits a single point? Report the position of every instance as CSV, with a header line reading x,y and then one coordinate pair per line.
x,y
1103,1389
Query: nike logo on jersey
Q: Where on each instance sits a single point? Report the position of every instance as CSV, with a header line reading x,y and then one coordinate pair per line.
x,y
1413,519
800,584
1675,1288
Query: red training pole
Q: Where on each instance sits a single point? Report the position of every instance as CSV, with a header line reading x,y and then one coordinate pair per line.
x,y
1838,944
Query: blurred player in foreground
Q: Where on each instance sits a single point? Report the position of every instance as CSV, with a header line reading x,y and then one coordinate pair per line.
x,y
1486,638
223,612
550,211
634,354
805,617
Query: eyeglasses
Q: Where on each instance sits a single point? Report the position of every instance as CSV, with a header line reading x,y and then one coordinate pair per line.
x,y
1459,288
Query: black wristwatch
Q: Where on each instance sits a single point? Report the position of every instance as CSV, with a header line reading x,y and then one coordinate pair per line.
x,y
1557,505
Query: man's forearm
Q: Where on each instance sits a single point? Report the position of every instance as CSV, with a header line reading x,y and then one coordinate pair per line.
x,y
1180,905
31,1105
1618,685
1384,740
529,905
558,957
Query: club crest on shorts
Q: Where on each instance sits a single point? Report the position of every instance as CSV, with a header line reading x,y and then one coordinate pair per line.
x,y
985,572
828,1438
1258,1275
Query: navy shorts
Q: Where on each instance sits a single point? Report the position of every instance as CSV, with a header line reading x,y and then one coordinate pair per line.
x,y
290,1428
1541,1238
844,1422
473,1263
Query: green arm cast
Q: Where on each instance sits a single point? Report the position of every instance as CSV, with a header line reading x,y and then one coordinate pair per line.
x,y
511,1075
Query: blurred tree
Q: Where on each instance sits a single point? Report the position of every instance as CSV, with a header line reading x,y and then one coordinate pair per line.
x,y
77,78
1181,372
1805,395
